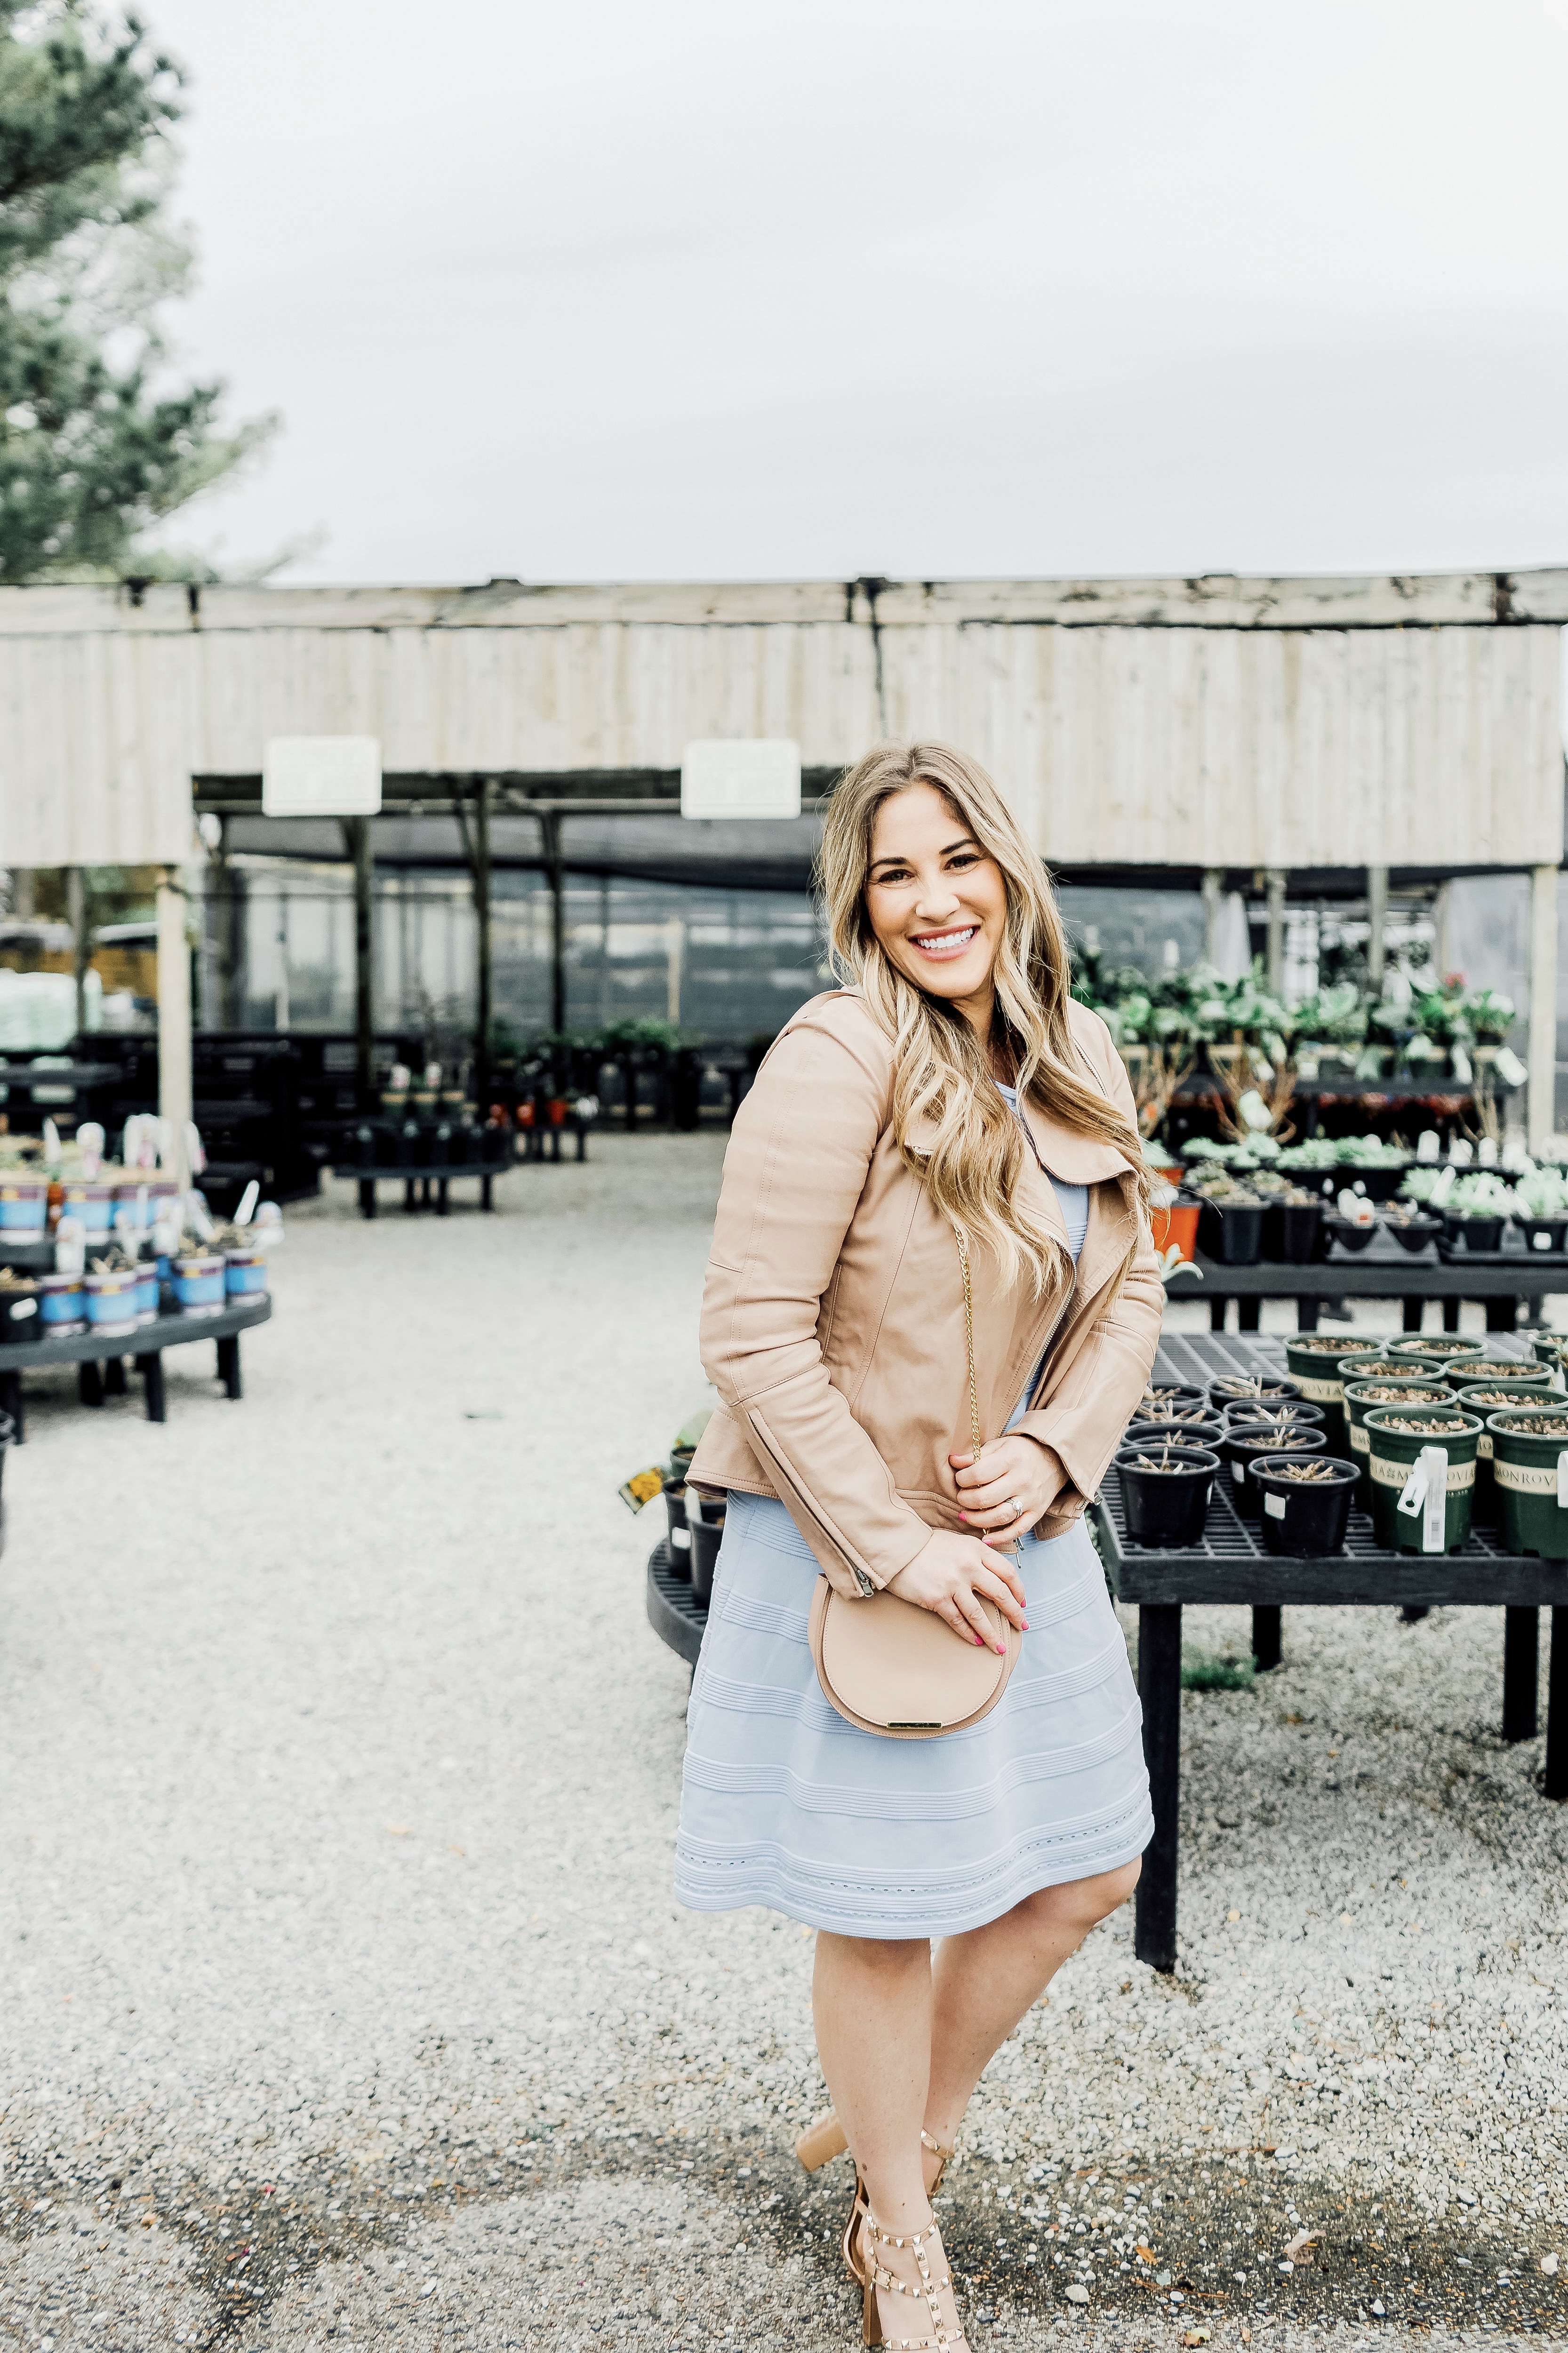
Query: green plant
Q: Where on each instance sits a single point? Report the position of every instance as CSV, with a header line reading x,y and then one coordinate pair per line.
x,y
1490,1014
95,446
1419,1184
1212,1671
1542,1194
1481,1193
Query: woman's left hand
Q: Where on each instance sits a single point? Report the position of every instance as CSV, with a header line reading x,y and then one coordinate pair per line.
x,y
1015,1484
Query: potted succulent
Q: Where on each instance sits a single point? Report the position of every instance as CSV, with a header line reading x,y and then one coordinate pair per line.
x,y
1184,1426
1529,1447
1165,1490
1497,1396
1304,1502
1353,1222
1480,1206
1243,1390
1399,1437
1244,1443
1437,1350
1541,1209
1412,1226
1314,1359
1380,1168
1384,1387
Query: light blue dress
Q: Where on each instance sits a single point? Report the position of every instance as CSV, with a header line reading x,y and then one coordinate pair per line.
x,y
783,1803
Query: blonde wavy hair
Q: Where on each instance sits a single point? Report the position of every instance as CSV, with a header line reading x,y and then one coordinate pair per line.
x,y
971,1152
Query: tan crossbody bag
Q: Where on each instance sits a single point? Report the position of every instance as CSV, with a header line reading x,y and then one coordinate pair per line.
x,y
895,1669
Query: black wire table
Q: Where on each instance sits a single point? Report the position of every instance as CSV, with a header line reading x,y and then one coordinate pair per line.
x,y
1231,1564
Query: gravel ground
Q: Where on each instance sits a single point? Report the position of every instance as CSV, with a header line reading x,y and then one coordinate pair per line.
x,y
343,1998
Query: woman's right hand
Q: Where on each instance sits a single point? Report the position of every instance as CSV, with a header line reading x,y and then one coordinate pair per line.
x,y
951,1573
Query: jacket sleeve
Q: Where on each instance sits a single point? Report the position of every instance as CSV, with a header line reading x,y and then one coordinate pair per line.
x,y
1084,1417
798,1159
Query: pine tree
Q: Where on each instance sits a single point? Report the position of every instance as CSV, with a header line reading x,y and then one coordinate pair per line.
x,y
95,448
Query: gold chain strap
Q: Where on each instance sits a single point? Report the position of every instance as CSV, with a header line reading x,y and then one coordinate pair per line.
x,y
975,1438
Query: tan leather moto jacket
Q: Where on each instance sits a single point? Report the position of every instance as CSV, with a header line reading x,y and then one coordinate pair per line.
x,y
833,1312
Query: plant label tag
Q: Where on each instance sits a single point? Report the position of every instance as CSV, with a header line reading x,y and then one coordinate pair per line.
x,y
1541,1241
1413,1494
1562,1480
1238,1471
1434,1531
1275,1507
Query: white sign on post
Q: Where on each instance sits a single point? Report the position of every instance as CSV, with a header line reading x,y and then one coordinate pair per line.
x,y
748,777
321,775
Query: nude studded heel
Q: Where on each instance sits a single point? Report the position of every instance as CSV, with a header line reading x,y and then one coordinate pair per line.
x,y
907,2283
821,2142
945,2158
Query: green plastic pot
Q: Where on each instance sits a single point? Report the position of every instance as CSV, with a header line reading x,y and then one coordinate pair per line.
x,y
1392,1456
1361,1397
1526,1465
1437,1348
1462,1372
1552,1350
1313,1360
1485,1398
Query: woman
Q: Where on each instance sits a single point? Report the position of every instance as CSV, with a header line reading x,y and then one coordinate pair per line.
x,y
950,1100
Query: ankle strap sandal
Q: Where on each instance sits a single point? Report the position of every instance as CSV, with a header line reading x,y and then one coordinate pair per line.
x,y
945,2158
923,2295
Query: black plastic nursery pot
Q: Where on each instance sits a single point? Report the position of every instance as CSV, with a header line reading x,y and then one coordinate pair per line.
x,y
707,1535
21,1317
1482,1233
1167,1505
1346,1235
1543,1233
1382,1388
1307,1517
1528,1451
1394,1454
1205,1431
1485,1398
1244,1443
1412,1233
680,1534
1234,1389
1231,1232
1300,1224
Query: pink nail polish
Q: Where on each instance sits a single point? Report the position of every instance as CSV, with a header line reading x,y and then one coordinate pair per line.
x,y
978,1643
963,1515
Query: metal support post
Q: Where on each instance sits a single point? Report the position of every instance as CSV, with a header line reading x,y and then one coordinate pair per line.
x,y
1277,929
1213,888
175,1091
1160,1690
1541,1114
550,844
484,991
75,907
356,836
1376,925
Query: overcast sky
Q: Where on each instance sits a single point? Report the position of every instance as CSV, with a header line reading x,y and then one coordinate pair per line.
x,y
722,291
